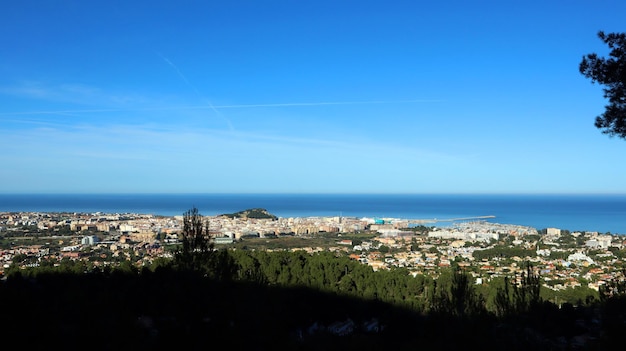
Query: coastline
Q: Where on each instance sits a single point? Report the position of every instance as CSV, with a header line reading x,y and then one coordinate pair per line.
x,y
602,213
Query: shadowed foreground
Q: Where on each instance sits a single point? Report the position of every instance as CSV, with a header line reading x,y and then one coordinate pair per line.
x,y
168,309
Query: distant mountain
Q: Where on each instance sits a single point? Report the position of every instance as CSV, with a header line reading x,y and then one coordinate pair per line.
x,y
256,213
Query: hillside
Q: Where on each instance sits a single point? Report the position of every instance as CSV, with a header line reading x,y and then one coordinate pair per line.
x,y
253,213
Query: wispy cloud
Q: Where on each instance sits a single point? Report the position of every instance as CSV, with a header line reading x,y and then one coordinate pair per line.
x,y
94,155
132,141
73,93
325,103
215,107
208,102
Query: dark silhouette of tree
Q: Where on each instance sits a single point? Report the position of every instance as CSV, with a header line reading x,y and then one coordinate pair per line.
x,y
502,300
520,297
195,251
455,296
465,301
613,288
610,72
526,293
613,298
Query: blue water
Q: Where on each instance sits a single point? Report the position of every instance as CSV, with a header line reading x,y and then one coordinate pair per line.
x,y
602,213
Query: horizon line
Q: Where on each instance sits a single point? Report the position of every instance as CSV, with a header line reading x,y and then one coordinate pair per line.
x,y
315,193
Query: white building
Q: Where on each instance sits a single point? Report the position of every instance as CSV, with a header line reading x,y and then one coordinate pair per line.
x,y
89,240
553,231
578,256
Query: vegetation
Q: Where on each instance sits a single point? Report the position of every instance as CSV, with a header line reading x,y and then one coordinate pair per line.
x,y
256,213
253,298
419,229
503,252
611,73
274,299
289,242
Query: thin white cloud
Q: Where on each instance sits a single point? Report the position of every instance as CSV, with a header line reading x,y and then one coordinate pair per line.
x,y
74,93
208,102
133,141
325,103
197,158
213,107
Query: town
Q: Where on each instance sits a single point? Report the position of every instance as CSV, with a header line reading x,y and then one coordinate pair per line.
x,y
486,250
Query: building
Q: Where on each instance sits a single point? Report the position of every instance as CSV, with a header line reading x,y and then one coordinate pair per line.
x,y
89,240
553,231
223,240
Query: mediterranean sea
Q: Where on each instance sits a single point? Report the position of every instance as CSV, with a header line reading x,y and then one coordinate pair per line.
x,y
601,213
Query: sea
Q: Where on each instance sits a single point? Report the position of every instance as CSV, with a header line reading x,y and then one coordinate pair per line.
x,y
603,213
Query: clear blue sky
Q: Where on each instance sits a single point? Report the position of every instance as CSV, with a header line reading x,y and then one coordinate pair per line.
x,y
304,97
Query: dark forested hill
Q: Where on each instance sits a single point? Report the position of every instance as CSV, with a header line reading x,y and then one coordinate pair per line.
x,y
290,301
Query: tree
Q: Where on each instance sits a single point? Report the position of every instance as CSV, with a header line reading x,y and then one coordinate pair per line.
x,y
610,72
520,296
614,288
455,296
502,300
526,294
613,304
196,244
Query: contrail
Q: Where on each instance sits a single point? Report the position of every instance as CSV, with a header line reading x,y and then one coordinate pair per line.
x,y
295,104
216,107
182,76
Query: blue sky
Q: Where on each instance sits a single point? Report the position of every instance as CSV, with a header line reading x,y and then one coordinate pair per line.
x,y
304,97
